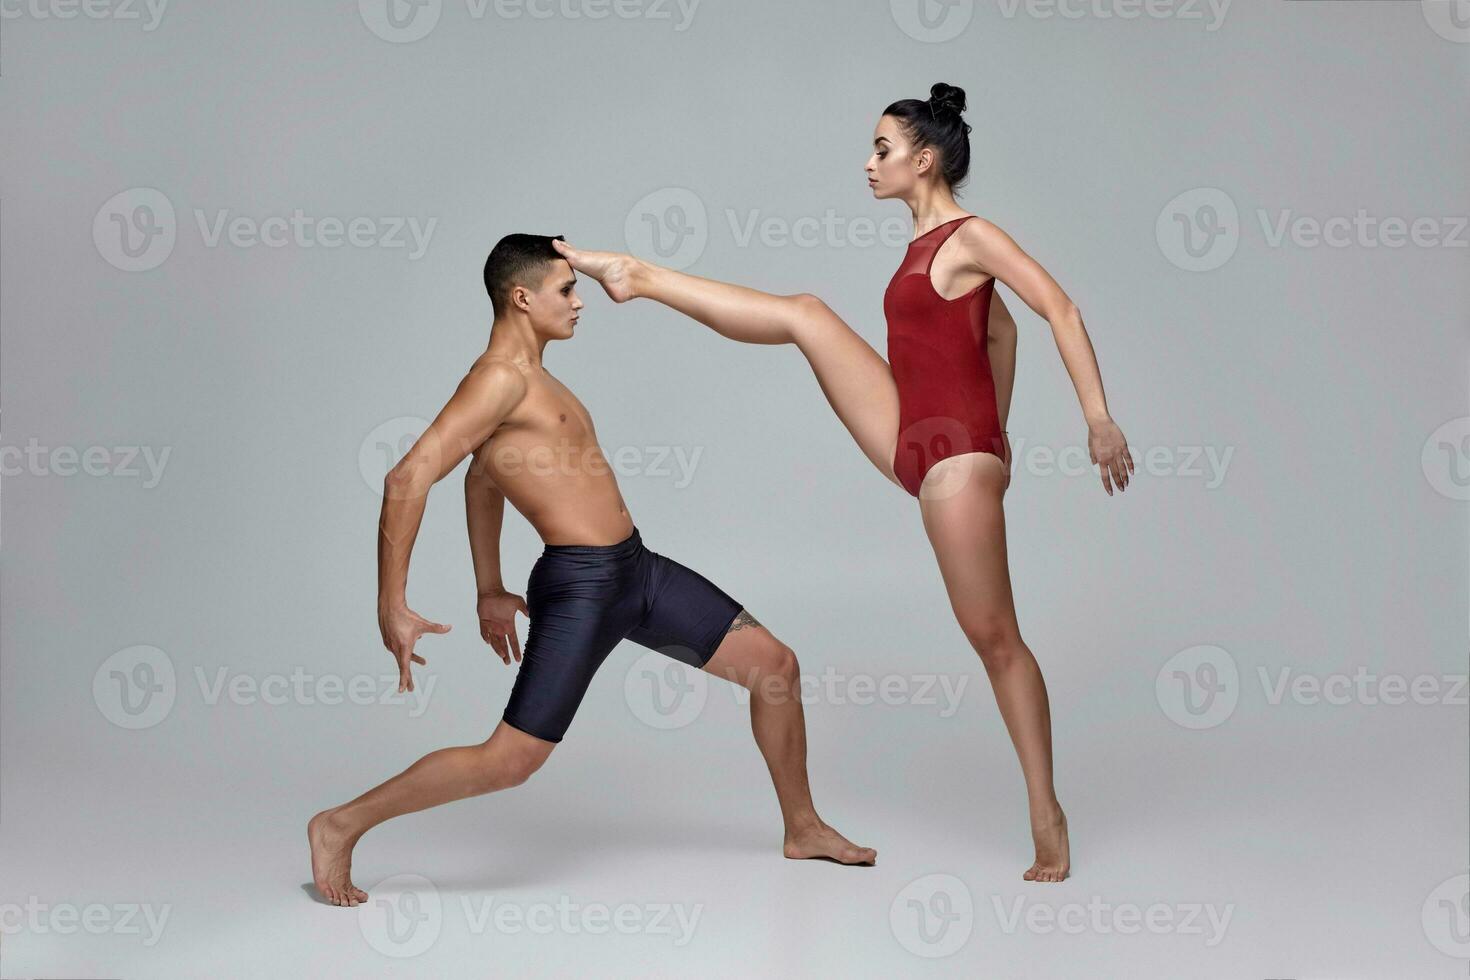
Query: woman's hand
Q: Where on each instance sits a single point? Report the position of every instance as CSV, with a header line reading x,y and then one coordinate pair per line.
x,y
1005,440
1109,450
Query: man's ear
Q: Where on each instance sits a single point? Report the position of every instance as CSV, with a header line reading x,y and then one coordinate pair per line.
x,y
520,298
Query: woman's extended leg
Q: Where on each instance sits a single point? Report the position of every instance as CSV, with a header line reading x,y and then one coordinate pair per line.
x,y
966,526
856,380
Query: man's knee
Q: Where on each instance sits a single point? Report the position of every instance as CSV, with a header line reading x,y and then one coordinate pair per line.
x,y
503,765
521,767
775,671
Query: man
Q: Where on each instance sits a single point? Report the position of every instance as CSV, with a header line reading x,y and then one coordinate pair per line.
x,y
533,444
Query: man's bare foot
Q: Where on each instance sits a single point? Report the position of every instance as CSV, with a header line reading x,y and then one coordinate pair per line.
x,y
331,861
821,840
617,272
1053,853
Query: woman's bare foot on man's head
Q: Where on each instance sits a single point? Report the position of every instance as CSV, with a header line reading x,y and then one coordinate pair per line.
x,y
618,272
331,861
1053,851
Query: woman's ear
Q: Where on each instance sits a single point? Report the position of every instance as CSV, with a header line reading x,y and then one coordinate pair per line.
x,y
923,160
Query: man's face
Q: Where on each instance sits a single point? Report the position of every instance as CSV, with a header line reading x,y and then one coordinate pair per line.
x,y
554,307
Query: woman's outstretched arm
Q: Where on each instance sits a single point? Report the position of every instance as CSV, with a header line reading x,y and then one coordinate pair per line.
x,y
995,253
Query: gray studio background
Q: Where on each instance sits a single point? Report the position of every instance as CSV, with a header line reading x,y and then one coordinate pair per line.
x,y
1328,838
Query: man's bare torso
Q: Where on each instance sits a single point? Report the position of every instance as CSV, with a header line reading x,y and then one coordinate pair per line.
x,y
546,461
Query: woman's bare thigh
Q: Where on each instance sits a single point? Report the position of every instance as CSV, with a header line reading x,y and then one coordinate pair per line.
x,y
857,381
966,528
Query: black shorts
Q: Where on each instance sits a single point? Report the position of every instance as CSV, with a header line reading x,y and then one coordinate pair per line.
x,y
583,599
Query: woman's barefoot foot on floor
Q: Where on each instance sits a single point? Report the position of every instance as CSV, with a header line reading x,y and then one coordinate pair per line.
x,y
617,272
1053,854
331,861
820,840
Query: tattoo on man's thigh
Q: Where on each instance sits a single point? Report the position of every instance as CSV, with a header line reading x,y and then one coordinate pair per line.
x,y
741,621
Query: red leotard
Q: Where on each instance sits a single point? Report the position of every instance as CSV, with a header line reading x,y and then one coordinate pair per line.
x,y
937,349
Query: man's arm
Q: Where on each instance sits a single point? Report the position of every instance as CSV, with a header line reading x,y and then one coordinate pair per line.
x,y
484,508
481,402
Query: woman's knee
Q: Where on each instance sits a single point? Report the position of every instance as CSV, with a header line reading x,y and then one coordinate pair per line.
x,y
995,638
810,317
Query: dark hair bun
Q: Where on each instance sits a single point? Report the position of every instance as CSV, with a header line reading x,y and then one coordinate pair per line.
x,y
947,97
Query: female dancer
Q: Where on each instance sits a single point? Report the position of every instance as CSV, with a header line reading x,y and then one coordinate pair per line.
x,y
935,422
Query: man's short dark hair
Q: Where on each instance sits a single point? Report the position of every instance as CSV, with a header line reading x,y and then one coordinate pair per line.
x,y
517,260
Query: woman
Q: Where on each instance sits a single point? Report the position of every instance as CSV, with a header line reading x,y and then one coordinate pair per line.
x,y
934,423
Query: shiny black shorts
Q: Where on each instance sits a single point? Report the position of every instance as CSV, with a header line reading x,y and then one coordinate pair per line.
x,y
583,599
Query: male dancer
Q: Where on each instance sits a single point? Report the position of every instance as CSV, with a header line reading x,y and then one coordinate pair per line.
x,y
595,583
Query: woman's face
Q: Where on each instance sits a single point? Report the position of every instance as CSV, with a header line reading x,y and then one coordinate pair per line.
x,y
894,168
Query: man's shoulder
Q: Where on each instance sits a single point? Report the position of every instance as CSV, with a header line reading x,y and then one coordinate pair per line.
x,y
495,378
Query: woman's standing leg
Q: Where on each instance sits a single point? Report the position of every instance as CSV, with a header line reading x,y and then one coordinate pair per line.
x,y
966,526
856,380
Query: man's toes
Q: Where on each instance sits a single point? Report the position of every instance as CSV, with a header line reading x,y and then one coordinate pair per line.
x,y
1030,874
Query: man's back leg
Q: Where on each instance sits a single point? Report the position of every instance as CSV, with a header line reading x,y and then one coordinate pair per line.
x,y
507,758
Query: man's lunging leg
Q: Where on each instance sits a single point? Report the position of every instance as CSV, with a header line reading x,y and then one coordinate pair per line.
x,y
752,657
508,758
